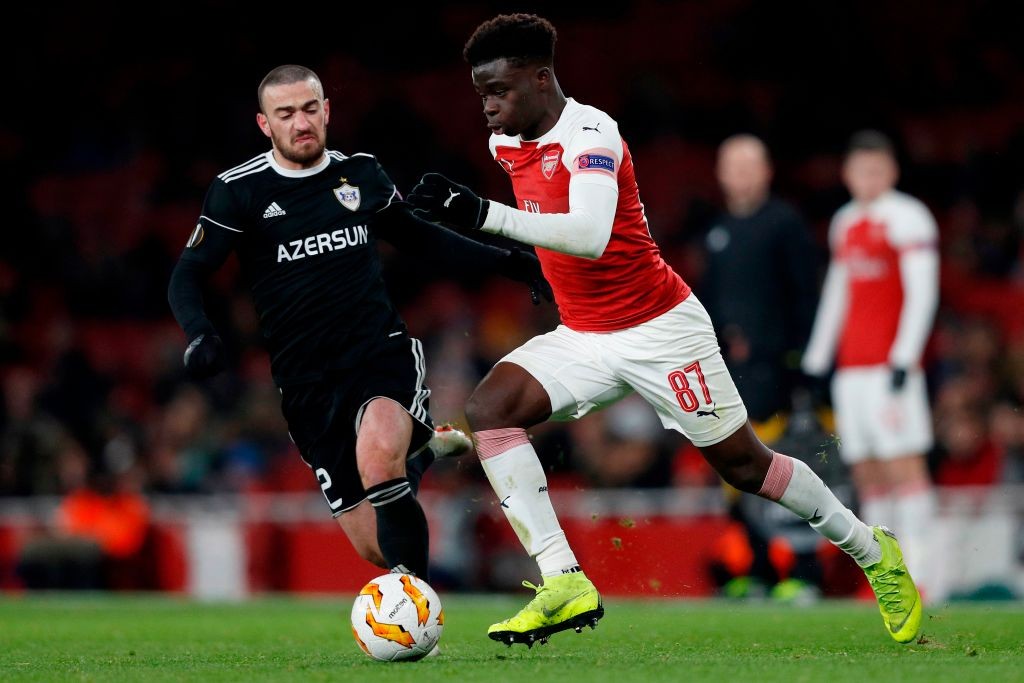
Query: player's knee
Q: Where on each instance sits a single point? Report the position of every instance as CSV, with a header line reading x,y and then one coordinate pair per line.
x,y
378,468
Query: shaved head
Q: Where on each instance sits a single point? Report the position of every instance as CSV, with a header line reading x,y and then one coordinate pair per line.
x,y
745,173
286,75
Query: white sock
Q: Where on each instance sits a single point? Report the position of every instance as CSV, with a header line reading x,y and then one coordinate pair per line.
x,y
518,480
915,514
793,484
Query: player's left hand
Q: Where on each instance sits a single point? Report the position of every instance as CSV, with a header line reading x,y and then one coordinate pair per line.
x,y
898,378
441,200
525,267
204,356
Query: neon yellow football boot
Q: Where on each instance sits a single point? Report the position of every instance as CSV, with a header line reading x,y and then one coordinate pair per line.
x,y
562,602
898,599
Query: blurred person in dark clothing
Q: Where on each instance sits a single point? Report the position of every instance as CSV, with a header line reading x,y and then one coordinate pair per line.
x,y
98,536
760,282
304,222
759,286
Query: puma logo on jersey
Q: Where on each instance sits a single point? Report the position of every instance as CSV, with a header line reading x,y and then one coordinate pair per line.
x,y
448,201
325,241
273,210
712,413
595,128
507,163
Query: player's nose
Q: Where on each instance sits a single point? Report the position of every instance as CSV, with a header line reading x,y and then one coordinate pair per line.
x,y
490,106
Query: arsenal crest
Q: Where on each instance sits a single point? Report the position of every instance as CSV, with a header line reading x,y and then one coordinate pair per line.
x,y
348,195
549,162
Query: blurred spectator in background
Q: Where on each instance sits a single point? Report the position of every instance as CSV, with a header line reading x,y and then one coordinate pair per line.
x,y
98,537
759,286
878,306
623,446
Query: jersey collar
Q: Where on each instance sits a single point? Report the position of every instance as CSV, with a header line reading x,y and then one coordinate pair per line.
x,y
300,173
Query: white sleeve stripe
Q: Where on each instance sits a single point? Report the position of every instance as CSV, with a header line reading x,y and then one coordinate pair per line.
x,y
240,167
236,176
390,199
226,227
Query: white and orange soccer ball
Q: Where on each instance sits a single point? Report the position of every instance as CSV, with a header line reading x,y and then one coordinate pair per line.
x,y
397,617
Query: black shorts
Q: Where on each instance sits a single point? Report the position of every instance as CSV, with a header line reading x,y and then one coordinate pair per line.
x,y
323,417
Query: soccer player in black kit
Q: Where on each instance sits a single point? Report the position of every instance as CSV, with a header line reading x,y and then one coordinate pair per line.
x,y
304,221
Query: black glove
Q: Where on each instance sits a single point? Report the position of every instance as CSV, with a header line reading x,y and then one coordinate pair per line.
x,y
525,267
817,389
898,378
204,356
440,200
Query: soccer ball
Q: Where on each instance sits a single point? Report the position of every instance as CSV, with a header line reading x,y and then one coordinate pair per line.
x,y
397,617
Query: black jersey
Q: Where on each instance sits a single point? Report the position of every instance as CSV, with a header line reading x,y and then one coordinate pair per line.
x,y
760,277
305,241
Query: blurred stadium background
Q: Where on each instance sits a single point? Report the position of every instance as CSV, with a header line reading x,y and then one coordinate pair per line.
x,y
118,473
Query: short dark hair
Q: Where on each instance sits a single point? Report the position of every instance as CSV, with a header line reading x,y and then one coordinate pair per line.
x,y
871,140
285,74
519,38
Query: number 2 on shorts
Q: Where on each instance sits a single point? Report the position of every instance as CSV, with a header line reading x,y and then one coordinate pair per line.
x,y
684,394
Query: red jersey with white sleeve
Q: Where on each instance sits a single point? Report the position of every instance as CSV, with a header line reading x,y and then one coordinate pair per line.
x,y
582,167
881,291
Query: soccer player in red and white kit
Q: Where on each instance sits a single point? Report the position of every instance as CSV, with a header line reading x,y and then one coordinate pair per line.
x,y
876,312
629,323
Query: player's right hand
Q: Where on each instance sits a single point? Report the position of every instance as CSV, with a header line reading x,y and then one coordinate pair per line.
x,y
204,356
441,200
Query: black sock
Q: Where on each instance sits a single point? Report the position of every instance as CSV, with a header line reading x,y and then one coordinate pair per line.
x,y
401,526
417,466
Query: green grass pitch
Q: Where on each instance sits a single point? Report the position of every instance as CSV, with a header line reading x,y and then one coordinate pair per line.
x,y
129,638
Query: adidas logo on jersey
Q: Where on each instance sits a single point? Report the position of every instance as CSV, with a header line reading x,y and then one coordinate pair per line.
x,y
273,210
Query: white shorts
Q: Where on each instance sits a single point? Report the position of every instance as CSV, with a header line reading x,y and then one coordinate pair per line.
x,y
672,361
873,421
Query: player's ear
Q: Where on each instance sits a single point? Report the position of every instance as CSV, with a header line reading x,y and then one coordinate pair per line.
x,y
263,123
327,111
543,77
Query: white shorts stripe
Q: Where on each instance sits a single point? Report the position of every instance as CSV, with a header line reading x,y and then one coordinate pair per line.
x,y
417,409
